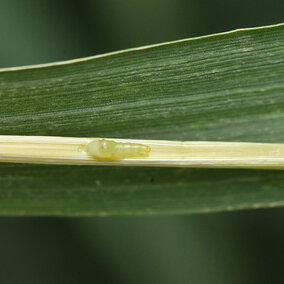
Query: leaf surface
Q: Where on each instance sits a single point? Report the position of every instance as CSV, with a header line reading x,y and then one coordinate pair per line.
x,y
223,87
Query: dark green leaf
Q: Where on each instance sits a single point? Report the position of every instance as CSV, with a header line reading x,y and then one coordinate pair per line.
x,y
225,87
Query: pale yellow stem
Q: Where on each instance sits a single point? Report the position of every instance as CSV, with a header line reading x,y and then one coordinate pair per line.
x,y
73,151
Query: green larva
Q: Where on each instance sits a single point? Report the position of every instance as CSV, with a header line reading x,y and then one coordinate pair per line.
x,y
104,149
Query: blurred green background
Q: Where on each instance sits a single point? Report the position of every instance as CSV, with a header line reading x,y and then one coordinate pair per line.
x,y
235,247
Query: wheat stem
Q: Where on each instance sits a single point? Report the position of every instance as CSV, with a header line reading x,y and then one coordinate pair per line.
x,y
73,151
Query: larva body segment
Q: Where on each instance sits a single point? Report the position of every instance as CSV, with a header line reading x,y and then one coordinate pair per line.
x,y
110,150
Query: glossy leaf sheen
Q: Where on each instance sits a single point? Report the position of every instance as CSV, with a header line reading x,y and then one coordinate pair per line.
x,y
226,87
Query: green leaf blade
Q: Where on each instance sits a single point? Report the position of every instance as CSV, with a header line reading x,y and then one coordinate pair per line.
x,y
226,87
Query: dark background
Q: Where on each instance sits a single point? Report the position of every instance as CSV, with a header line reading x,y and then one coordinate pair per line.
x,y
236,247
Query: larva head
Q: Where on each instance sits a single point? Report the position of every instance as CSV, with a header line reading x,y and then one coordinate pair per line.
x,y
101,149
147,150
